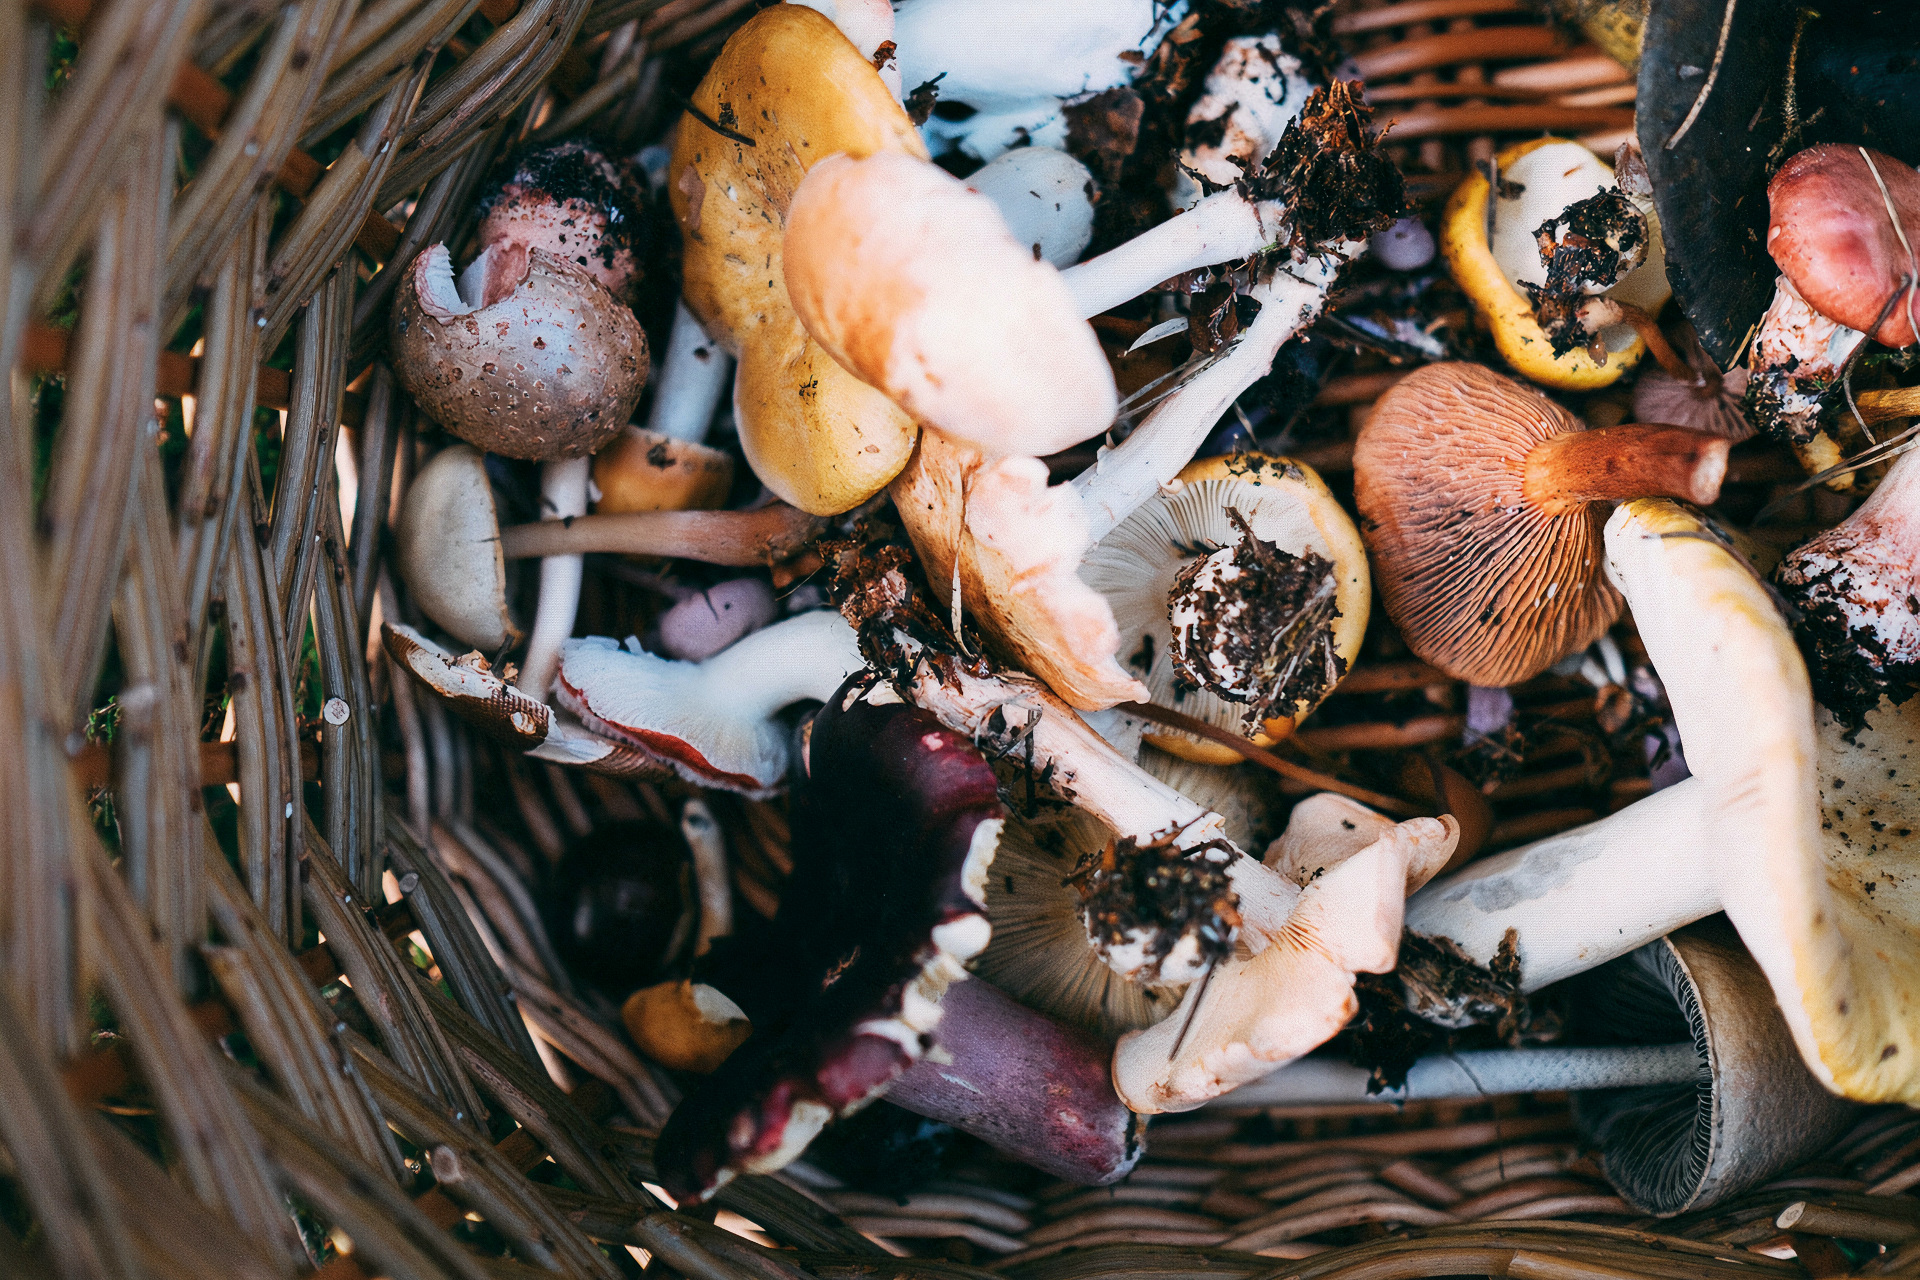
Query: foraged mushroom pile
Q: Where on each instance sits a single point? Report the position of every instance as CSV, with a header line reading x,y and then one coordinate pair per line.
x,y
987,518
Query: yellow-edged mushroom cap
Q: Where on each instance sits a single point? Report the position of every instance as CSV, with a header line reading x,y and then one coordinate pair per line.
x,y
789,82
1469,251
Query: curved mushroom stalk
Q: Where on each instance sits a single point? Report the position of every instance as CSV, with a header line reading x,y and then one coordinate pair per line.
x,y
563,497
711,722
1227,226
1331,895
509,717
895,829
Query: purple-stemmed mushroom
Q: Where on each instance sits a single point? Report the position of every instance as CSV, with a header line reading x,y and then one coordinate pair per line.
x,y
713,722
895,828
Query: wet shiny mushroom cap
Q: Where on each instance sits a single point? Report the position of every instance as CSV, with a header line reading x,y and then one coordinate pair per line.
x,y
1483,503
1837,236
526,356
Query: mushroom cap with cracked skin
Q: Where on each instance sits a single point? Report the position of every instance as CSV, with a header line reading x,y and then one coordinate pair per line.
x,y
1831,233
1482,584
817,436
528,357
1335,885
913,282
1471,256
1134,567
644,470
448,541
1018,543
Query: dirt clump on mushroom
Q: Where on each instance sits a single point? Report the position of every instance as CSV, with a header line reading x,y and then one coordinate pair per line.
x,y
1592,244
1253,623
1159,895
1328,169
1434,973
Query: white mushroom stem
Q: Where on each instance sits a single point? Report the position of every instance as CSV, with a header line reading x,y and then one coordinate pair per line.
x,y
709,846
1224,227
695,374
563,496
1132,472
1476,1073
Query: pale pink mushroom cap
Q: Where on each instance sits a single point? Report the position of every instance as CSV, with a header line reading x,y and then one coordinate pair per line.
x,y
913,282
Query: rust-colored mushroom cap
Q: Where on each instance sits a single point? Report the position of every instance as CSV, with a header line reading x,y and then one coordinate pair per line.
x,y
1483,504
1832,234
796,91
527,356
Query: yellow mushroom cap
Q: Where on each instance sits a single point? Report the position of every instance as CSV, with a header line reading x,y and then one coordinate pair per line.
x,y
1470,255
644,470
817,436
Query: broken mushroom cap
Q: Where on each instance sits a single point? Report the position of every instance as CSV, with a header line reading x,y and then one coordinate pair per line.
x,y
711,722
1137,566
579,206
528,357
1012,67
1339,878
1482,503
448,540
913,282
643,470
791,84
1538,180
685,1026
1254,89
1046,199
895,826
1855,586
1845,239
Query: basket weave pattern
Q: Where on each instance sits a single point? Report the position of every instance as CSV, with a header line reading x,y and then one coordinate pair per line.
x,y
172,194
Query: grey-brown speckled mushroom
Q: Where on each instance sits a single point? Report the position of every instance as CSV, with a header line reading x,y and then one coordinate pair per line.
x,y
527,356
576,204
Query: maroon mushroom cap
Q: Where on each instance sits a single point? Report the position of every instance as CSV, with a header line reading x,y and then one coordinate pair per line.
x,y
1833,234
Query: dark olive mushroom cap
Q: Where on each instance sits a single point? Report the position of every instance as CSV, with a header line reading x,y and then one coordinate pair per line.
x,y
1832,234
551,369
1483,583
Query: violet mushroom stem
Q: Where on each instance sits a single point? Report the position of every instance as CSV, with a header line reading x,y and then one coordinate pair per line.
x,y
1224,227
695,374
563,497
1127,475
742,539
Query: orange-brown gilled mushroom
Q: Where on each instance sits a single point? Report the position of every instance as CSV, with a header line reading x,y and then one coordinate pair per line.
x,y
1482,503
787,91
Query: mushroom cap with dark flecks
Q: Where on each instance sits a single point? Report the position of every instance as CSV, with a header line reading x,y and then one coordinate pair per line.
x,y
528,358
895,827
576,204
1481,583
1830,231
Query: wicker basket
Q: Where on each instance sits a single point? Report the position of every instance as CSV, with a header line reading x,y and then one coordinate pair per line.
x,y
212,202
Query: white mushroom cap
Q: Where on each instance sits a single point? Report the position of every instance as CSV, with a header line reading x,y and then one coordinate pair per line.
x,y
449,545
1325,905
1252,92
913,284
712,722
1046,198
1016,63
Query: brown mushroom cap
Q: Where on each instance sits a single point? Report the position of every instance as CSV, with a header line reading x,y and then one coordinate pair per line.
x,y
1831,233
1483,504
539,362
